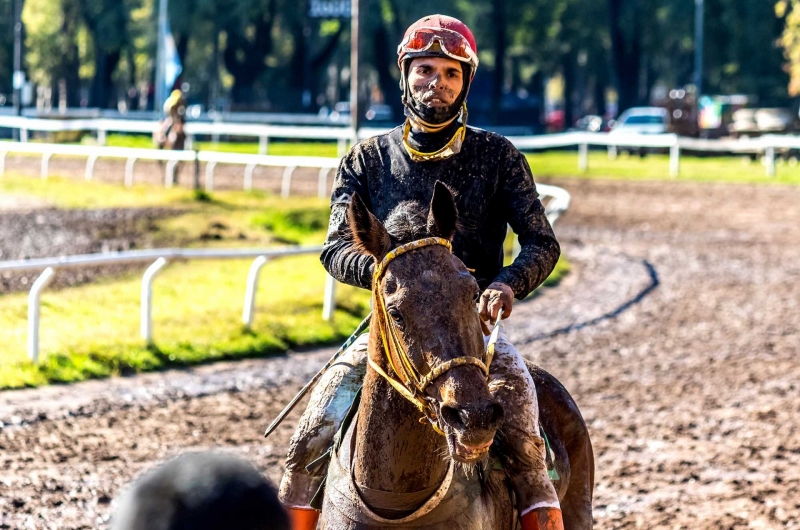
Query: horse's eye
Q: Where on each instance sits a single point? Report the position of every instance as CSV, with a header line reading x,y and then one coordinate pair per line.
x,y
477,296
396,316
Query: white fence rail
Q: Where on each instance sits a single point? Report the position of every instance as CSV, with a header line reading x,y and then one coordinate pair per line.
x,y
556,200
102,126
768,145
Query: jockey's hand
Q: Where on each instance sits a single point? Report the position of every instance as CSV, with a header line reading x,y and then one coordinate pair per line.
x,y
497,295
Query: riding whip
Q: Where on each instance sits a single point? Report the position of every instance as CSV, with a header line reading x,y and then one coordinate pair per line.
x,y
285,412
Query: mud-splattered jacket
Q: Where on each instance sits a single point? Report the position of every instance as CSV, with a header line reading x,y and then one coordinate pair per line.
x,y
493,188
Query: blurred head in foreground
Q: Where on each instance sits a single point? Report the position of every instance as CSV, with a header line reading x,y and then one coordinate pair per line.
x,y
201,491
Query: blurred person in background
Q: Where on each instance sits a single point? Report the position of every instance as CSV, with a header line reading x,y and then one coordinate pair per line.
x,y
201,491
170,134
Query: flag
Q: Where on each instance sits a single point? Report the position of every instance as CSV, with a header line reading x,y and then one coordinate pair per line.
x,y
172,63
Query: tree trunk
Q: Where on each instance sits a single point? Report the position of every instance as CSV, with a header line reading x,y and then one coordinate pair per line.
x,y
499,74
103,84
626,54
568,66
383,65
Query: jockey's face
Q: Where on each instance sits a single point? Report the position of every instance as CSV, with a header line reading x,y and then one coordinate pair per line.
x,y
435,81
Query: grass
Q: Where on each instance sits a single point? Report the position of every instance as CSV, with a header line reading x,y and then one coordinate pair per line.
x,y
277,148
92,330
656,167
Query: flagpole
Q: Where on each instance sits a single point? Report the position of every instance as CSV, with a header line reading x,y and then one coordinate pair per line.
x,y
160,97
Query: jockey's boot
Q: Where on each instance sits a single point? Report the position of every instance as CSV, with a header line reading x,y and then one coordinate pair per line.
x,y
303,518
542,519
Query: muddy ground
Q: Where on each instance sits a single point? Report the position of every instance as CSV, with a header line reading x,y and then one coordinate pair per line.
x,y
677,332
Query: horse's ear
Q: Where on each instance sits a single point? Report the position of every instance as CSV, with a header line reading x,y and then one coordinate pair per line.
x,y
443,216
369,234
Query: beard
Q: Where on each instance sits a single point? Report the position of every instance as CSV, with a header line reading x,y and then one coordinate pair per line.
x,y
421,97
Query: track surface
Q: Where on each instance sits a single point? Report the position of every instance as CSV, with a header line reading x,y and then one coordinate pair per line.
x,y
677,332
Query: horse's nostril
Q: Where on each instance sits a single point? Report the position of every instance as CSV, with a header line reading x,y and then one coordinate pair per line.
x,y
452,416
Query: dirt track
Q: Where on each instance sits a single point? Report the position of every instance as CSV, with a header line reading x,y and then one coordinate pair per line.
x,y
677,332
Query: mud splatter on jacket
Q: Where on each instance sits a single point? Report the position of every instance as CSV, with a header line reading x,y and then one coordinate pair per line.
x,y
493,188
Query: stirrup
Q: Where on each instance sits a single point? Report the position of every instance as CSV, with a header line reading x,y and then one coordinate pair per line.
x,y
542,519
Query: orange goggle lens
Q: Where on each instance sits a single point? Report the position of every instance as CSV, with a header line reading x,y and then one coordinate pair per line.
x,y
451,43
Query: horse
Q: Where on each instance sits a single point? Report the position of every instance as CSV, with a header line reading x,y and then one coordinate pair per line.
x,y
391,468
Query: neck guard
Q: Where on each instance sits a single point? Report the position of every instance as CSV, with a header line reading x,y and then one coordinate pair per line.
x,y
452,147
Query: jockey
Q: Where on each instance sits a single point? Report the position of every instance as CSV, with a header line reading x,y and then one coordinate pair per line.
x,y
493,188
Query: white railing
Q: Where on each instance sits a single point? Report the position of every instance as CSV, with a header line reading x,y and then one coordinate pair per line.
x,y
556,200
159,258
103,126
290,163
211,158
767,145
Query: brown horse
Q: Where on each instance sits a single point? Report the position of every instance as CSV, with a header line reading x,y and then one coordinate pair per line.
x,y
390,468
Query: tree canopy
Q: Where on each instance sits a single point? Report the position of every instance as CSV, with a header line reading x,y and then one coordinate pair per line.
x,y
272,55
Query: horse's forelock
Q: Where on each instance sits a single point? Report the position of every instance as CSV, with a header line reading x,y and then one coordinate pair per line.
x,y
407,222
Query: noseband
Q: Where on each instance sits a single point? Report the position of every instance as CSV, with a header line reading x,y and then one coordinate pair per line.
x,y
410,383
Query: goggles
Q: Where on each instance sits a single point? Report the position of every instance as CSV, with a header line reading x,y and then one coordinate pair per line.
x,y
451,43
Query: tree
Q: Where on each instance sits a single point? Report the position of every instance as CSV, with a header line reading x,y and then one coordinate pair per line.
x,y
107,22
788,11
52,29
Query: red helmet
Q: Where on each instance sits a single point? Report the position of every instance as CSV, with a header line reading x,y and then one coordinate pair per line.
x,y
454,38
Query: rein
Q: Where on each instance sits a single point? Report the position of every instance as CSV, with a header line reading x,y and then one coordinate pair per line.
x,y
410,383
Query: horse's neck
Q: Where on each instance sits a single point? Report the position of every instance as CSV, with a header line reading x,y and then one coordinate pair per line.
x,y
394,451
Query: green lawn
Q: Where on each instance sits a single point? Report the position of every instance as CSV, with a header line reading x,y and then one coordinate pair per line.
x,y
556,163
275,147
93,330
656,167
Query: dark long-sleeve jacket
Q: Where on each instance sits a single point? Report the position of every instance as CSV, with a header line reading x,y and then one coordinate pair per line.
x,y
493,188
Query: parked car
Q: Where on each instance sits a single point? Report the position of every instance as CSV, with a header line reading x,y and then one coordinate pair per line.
x,y
642,120
755,122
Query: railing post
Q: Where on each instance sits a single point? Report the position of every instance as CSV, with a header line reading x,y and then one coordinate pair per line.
x,y
248,176
146,325
612,152
286,183
3,162
34,298
341,147
263,145
210,176
101,136
90,167
329,302
248,313
189,142
45,165
583,157
769,156
169,173
23,135
129,172
322,186
674,159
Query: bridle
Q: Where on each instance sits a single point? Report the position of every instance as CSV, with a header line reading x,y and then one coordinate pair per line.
x,y
410,383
